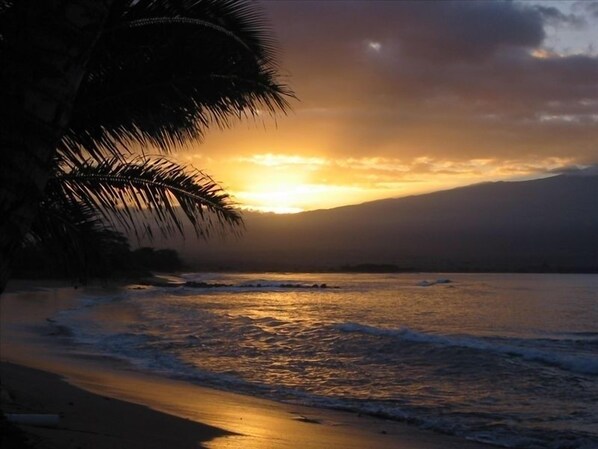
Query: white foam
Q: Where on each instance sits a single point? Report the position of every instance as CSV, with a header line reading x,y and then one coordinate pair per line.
x,y
578,364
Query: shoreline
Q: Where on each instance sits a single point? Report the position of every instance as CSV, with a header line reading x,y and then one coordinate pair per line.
x,y
91,420
229,419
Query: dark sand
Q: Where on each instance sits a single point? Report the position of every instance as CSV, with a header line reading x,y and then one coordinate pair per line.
x,y
92,421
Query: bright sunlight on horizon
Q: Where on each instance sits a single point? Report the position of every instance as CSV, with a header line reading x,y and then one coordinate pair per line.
x,y
390,104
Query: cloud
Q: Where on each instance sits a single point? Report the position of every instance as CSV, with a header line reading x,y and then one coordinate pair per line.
x,y
469,31
438,30
461,78
576,170
282,160
556,17
399,95
364,170
586,7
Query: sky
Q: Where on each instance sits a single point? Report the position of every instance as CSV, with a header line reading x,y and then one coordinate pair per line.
x,y
401,98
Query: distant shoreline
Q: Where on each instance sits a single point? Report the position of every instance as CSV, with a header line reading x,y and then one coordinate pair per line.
x,y
207,269
120,281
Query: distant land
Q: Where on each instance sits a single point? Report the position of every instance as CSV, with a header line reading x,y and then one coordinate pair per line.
x,y
542,225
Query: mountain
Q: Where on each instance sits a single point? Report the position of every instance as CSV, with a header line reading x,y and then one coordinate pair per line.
x,y
548,224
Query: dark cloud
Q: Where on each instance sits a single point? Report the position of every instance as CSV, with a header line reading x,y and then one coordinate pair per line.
x,y
555,16
465,30
465,78
371,52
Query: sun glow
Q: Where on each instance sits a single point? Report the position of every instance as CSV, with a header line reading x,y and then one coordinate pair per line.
x,y
279,160
281,199
290,182
286,198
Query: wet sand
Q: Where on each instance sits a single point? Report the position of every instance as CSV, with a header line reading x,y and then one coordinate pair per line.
x,y
105,403
92,421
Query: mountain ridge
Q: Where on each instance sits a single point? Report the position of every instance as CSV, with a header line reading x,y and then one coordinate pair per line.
x,y
548,224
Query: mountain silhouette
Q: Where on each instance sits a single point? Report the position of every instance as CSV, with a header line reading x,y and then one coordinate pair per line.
x,y
548,224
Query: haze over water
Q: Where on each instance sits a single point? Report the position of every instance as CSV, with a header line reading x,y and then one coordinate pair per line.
x,y
506,359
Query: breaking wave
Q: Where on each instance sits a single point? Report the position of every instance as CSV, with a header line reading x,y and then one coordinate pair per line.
x,y
578,364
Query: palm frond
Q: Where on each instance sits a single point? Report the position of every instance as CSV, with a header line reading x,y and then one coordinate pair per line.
x,y
162,21
164,71
131,193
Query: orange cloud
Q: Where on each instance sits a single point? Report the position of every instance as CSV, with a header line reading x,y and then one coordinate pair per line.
x,y
399,98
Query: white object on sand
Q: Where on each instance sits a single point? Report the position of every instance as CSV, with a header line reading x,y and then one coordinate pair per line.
x,y
33,419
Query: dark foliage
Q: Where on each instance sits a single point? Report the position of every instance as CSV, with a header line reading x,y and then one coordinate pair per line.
x,y
164,260
111,260
160,73
163,71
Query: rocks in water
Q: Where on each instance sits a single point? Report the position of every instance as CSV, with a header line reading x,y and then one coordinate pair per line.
x,y
201,284
294,286
427,283
160,283
194,284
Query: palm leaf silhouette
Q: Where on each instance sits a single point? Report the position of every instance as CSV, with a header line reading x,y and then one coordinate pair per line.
x,y
162,72
130,193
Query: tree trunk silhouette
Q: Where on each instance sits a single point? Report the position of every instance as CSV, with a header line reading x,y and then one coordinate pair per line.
x,y
46,46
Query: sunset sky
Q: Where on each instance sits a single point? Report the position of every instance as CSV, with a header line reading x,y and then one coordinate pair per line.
x,y
397,98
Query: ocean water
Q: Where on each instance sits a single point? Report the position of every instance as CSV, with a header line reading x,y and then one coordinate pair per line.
x,y
506,359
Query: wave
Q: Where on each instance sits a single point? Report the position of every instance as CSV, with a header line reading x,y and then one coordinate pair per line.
x,y
584,336
163,354
577,364
150,354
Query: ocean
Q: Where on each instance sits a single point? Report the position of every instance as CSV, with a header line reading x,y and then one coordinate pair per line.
x,y
507,359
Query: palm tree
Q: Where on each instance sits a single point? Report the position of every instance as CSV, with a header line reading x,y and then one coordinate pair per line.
x,y
42,67
90,80
87,201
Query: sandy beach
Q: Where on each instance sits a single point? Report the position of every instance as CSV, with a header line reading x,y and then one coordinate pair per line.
x,y
105,403
90,420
